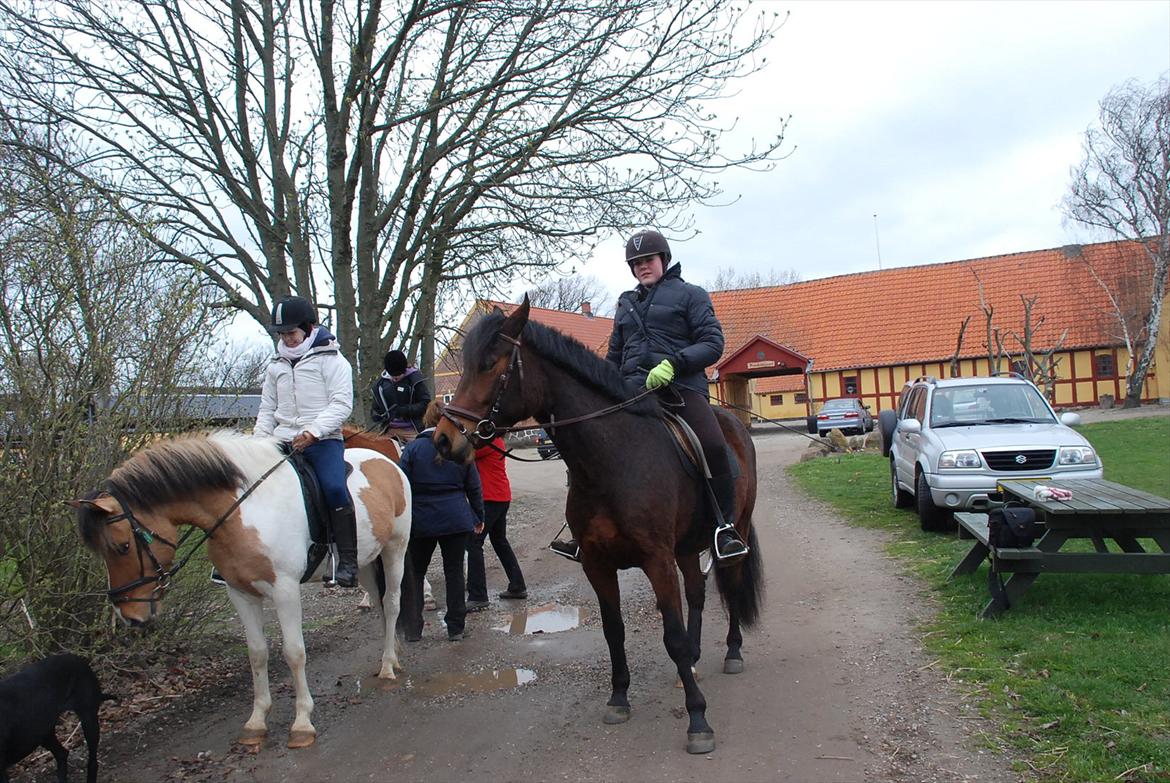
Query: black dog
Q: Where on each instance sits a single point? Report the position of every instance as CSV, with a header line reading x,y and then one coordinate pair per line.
x,y
33,699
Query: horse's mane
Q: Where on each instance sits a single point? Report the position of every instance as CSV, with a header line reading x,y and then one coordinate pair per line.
x,y
563,351
177,469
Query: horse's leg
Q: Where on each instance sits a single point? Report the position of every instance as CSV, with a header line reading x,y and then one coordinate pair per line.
x,y
250,608
664,580
695,587
733,661
392,565
286,597
609,599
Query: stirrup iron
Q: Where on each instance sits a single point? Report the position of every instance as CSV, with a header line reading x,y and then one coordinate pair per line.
x,y
719,556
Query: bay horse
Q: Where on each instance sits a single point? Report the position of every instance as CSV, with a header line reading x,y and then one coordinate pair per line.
x,y
633,500
246,498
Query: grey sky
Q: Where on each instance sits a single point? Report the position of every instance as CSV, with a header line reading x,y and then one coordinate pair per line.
x,y
956,122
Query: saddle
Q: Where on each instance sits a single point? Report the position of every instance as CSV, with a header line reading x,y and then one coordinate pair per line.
x,y
688,445
317,511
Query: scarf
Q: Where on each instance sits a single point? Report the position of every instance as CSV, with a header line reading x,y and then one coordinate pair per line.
x,y
293,354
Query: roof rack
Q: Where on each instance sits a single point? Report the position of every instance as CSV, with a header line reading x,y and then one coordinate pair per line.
x,y
1009,374
925,379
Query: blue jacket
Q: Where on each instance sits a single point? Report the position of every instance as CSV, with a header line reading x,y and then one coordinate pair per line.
x,y
448,497
672,319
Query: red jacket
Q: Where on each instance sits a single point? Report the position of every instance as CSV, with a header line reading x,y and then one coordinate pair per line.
x,y
492,472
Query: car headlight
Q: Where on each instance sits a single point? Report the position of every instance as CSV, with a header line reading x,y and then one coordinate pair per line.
x,y
966,458
1076,455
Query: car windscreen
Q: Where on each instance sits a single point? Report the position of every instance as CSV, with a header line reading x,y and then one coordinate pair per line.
x,y
959,406
839,405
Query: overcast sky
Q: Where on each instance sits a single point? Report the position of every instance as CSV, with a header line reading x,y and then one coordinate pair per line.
x,y
955,122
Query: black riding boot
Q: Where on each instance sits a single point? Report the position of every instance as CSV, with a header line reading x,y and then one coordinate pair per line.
x,y
344,524
728,545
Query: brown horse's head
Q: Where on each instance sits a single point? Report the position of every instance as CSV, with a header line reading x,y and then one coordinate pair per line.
x,y
138,550
490,390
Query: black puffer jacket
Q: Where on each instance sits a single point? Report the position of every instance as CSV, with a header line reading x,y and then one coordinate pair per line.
x,y
401,403
672,319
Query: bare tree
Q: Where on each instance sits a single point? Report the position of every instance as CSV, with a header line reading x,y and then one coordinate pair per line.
x,y
1122,188
1040,364
729,280
569,293
94,340
430,142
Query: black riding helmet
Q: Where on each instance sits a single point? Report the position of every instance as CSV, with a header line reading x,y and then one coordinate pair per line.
x,y
293,312
647,243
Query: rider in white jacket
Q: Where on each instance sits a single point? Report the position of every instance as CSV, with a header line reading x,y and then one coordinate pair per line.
x,y
307,395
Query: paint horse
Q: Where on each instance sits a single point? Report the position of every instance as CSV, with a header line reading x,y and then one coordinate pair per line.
x,y
633,500
258,544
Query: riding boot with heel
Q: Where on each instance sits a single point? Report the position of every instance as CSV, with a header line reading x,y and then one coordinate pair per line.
x,y
344,524
729,547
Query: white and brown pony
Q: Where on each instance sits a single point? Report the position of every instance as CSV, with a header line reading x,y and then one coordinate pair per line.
x,y
241,491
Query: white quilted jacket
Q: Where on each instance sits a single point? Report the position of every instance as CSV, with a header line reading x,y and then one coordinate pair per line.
x,y
315,396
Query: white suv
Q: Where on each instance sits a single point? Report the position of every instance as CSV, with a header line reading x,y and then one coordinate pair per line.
x,y
950,441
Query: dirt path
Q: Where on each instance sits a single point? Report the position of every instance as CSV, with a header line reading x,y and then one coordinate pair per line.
x,y
836,688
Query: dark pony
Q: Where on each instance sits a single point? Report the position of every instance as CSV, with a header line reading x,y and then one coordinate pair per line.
x,y
635,500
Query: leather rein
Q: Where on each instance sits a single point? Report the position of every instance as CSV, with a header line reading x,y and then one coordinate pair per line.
x,y
486,428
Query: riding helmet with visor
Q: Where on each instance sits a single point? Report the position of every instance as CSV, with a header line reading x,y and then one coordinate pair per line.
x,y
293,312
645,244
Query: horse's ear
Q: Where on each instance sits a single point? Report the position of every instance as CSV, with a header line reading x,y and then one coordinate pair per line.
x,y
514,323
102,502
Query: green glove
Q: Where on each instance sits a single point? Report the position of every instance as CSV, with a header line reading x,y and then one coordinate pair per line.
x,y
660,375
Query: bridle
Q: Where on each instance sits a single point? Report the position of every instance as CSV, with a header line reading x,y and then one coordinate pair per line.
x,y
144,537
486,428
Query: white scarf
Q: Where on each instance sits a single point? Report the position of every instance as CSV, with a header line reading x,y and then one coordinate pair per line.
x,y
292,354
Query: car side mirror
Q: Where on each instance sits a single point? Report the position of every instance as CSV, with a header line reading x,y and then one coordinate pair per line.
x,y
1070,419
909,426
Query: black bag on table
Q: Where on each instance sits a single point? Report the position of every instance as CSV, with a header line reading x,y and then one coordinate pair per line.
x,y
1012,526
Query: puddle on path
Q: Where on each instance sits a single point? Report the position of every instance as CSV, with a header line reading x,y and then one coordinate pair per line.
x,y
546,618
472,682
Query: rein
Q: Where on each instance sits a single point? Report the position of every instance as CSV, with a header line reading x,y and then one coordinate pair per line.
x,y
485,427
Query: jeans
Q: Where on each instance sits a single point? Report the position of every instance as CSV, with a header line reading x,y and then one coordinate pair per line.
x,y
495,527
328,460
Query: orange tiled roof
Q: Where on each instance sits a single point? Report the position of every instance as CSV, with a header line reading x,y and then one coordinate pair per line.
x,y
913,314
777,384
592,331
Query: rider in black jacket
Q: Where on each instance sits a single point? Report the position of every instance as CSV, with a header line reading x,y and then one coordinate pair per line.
x,y
665,334
401,396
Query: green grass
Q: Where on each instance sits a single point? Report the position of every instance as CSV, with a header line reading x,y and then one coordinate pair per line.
x,y
1076,678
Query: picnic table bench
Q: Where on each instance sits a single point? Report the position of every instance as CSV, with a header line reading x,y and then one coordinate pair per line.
x,y
1099,510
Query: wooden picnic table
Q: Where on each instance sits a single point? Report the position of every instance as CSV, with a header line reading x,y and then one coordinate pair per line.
x,y
1098,511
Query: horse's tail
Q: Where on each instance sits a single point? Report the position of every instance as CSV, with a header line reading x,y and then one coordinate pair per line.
x,y
741,586
380,578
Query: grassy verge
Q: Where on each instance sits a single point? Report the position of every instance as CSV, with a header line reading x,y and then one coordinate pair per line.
x,y
1077,677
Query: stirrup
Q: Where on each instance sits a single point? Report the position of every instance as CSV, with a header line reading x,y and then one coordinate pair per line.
x,y
570,550
725,558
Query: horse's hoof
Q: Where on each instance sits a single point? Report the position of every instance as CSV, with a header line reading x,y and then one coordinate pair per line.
x,y
733,665
615,715
387,672
301,738
252,736
701,742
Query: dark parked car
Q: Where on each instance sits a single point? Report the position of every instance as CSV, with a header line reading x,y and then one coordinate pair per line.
x,y
545,447
846,414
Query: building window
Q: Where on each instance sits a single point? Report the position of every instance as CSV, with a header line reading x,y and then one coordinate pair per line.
x,y
777,399
801,397
1020,367
447,398
849,386
1105,366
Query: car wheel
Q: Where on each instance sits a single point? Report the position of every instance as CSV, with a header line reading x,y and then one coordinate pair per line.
x,y
901,498
888,421
930,516
811,421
